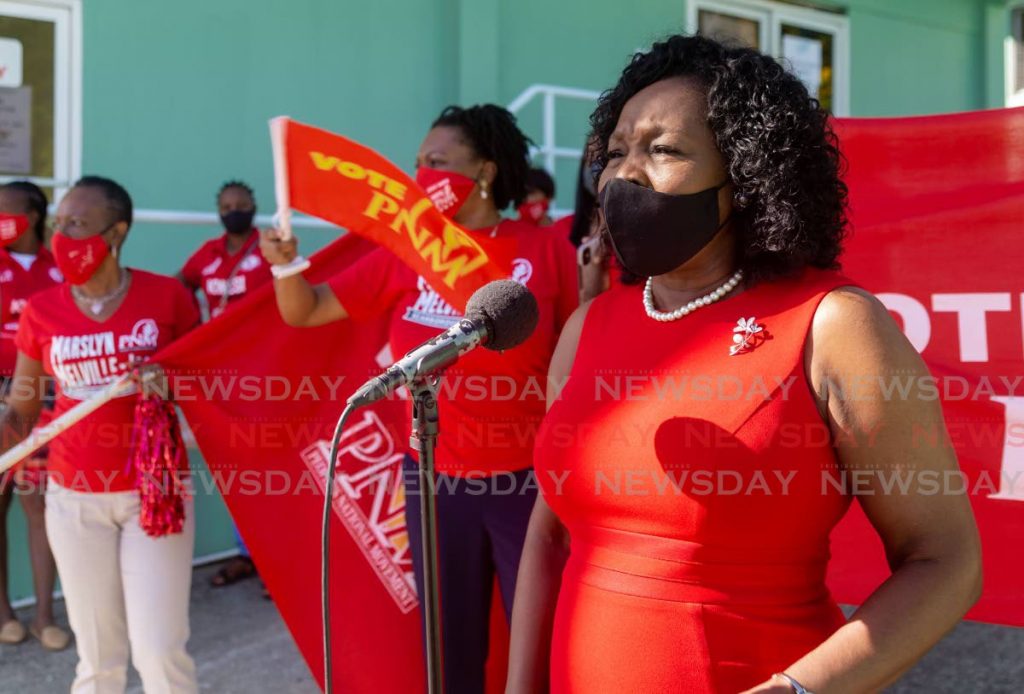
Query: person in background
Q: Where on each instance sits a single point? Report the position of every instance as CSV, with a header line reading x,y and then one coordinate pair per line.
x,y
476,160
126,591
540,193
229,267
225,270
583,229
26,267
584,222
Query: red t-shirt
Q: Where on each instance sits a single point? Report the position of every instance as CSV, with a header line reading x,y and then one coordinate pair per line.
x,y
16,285
563,225
213,270
490,403
84,356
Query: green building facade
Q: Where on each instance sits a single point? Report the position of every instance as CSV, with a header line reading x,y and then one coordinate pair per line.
x,y
173,98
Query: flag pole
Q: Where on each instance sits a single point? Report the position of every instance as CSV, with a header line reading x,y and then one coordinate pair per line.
x,y
39,437
283,215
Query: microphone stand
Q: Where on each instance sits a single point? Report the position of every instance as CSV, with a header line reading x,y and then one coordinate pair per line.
x,y
423,439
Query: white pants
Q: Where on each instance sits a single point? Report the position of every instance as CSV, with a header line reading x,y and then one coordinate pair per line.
x,y
122,588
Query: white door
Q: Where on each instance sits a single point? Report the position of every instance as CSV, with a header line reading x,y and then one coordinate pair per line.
x,y
40,92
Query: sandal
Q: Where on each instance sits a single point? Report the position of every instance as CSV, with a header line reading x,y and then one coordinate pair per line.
x,y
238,569
12,631
52,637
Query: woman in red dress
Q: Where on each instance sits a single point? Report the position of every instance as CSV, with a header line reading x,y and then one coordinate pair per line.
x,y
692,466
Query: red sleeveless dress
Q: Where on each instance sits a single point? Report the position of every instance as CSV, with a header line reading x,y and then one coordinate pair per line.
x,y
699,489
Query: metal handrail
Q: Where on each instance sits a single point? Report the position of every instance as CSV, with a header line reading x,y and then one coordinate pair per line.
x,y
213,219
549,149
533,90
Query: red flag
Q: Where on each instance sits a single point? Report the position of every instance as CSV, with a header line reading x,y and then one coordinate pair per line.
x,y
938,210
262,400
334,178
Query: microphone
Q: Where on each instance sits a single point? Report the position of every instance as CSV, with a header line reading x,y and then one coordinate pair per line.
x,y
499,316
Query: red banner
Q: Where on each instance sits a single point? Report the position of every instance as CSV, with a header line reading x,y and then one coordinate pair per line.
x,y
938,211
334,178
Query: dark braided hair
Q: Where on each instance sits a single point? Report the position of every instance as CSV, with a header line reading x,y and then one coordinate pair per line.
x,y
118,200
493,134
241,185
36,201
781,154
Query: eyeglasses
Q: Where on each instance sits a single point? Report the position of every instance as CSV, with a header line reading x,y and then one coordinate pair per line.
x,y
71,224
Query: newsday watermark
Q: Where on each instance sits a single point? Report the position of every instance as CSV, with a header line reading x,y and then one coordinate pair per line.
x,y
601,386
694,483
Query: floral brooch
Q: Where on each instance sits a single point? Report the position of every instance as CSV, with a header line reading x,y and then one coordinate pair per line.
x,y
746,336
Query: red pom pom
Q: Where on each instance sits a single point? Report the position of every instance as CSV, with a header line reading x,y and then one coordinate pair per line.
x,y
158,457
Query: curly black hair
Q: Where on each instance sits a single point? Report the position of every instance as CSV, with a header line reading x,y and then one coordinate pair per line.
x,y
494,135
780,151
235,183
35,201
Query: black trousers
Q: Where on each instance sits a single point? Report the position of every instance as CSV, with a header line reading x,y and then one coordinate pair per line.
x,y
481,525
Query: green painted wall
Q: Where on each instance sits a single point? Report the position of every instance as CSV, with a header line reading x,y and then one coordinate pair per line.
x,y
916,56
176,96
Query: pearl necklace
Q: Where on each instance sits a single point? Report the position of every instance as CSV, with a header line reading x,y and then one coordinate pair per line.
x,y
706,300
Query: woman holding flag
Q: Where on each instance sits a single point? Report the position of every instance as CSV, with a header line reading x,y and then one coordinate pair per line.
x,y
473,164
124,556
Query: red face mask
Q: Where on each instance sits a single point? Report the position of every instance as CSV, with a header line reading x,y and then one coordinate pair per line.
x,y
12,226
78,259
535,211
448,190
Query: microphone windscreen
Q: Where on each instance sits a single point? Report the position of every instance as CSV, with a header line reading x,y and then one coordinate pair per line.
x,y
509,309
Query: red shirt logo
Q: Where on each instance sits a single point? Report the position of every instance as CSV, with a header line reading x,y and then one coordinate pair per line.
x,y
144,336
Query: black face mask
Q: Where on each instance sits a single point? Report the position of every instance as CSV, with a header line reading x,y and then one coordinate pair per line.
x,y
653,233
238,221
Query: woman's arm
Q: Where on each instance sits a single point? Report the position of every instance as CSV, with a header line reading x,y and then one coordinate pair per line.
x,y
24,401
301,304
930,539
544,553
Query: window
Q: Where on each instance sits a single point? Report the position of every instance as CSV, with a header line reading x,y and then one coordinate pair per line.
x,y
1015,59
40,92
814,44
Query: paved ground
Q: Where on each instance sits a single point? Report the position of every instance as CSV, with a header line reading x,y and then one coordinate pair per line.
x,y
241,646
239,643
